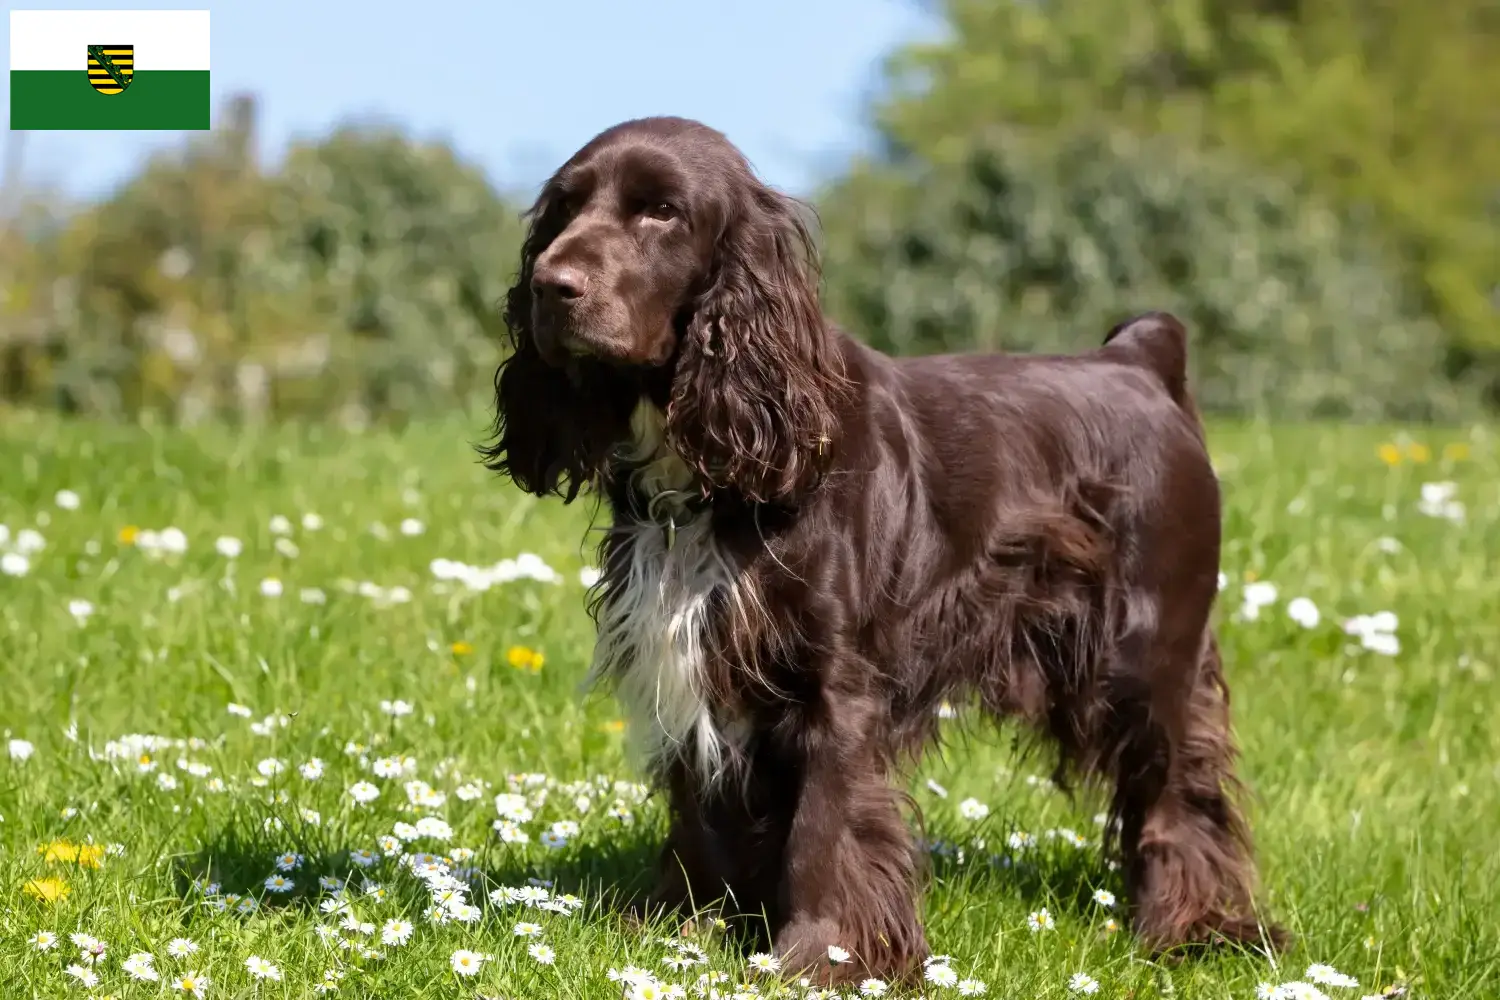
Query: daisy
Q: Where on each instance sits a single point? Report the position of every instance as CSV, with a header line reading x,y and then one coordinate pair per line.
x,y
43,940
1329,976
181,947
260,968
542,953
139,966
973,809
1041,920
465,913
279,883
1300,991
524,929
872,988
531,894
837,955
971,988
939,974
84,975
466,963
1104,898
1304,612
396,932
761,962
363,792
288,862
194,983
1081,983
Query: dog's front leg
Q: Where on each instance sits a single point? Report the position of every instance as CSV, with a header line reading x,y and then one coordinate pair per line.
x,y
848,877
696,863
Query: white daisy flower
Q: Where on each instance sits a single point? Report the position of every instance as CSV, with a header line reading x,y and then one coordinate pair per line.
x,y
262,968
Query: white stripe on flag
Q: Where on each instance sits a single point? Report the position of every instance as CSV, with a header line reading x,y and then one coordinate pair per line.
x,y
59,39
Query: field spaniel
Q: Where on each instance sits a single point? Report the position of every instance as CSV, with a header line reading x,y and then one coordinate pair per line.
x,y
813,546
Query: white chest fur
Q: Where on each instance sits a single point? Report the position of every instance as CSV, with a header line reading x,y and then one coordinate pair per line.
x,y
653,623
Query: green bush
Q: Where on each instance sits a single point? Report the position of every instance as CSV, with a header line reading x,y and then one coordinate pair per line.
x,y
360,278
1041,243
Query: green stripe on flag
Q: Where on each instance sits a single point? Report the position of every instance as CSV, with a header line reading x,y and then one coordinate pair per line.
x,y
62,99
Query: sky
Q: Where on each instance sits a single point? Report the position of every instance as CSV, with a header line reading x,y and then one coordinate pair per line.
x,y
518,86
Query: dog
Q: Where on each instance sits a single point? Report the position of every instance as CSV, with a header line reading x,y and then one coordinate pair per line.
x,y
813,546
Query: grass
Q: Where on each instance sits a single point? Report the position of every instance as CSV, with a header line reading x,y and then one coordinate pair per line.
x,y
1374,775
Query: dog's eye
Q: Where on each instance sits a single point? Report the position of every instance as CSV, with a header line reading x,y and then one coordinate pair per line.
x,y
659,211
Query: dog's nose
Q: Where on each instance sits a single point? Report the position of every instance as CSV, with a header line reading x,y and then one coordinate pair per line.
x,y
559,282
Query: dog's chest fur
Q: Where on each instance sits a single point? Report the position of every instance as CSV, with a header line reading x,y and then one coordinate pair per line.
x,y
655,618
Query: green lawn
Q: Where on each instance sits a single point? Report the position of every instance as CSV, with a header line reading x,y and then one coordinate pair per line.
x,y
151,809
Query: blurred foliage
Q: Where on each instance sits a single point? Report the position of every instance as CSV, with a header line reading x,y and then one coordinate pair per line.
x,y
1044,243
1385,108
358,279
1313,184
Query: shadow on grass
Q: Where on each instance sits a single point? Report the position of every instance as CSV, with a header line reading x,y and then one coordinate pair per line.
x,y
304,870
1051,875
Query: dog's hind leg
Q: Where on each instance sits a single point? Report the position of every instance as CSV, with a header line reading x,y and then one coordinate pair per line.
x,y
1186,847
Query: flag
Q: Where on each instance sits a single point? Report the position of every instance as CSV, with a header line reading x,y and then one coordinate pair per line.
x,y
109,69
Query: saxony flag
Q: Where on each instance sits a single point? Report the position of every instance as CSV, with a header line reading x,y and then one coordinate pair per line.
x,y
109,69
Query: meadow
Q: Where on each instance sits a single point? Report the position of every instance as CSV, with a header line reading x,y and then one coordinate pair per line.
x,y
295,711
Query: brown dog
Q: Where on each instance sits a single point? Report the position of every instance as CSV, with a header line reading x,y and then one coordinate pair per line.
x,y
814,545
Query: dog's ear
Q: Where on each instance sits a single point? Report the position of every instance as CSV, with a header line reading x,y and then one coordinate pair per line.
x,y
759,379
553,429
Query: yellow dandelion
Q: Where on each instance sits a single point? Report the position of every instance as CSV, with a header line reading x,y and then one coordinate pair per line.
x,y
1251,576
461,648
128,534
1418,453
613,726
1389,454
1456,451
49,890
87,855
525,659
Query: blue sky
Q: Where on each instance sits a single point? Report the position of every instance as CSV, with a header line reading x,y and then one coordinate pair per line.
x,y
517,86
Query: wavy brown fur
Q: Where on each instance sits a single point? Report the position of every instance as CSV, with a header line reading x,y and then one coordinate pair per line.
x,y
1041,533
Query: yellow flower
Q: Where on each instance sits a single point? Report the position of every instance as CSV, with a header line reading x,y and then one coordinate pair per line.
x,y
87,855
1390,454
48,890
613,726
461,648
128,534
1418,453
1456,451
524,659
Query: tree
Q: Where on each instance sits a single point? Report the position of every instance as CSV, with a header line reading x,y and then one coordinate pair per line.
x,y
1385,108
1042,242
361,276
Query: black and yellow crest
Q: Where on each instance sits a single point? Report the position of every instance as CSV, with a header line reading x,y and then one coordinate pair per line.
x,y
111,67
